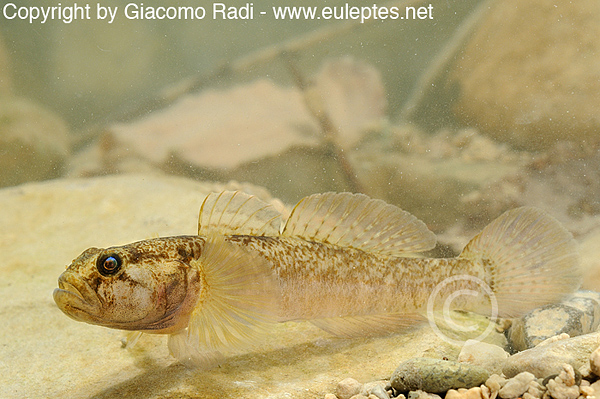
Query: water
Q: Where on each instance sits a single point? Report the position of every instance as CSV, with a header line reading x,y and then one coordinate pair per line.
x,y
391,108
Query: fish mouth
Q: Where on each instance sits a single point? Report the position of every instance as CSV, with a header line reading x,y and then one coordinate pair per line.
x,y
76,298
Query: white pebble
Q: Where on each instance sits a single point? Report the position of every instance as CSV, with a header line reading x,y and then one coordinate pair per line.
x,y
485,391
516,386
495,382
418,394
463,393
535,390
490,357
376,389
595,361
567,375
559,390
330,396
586,391
348,388
596,387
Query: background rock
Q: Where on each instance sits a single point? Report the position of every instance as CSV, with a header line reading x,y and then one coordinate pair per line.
x,y
5,74
34,142
530,76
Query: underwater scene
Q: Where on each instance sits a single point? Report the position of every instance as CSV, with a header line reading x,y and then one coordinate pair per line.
x,y
300,199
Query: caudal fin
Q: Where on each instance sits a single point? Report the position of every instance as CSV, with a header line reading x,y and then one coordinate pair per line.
x,y
530,260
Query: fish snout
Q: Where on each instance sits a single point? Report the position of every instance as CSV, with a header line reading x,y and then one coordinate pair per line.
x,y
75,297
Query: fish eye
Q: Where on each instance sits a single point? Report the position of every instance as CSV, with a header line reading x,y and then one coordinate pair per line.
x,y
109,265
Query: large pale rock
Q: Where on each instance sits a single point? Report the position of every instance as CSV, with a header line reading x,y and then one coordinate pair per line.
x,y
530,74
222,129
545,360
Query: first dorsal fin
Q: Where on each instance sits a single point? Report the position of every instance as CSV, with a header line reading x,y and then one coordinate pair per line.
x,y
235,212
357,221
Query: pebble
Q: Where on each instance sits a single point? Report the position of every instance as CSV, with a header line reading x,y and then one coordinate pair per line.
x,y
463,393
495,382
376,389
436,376
490,357
419,394
348,388
485,391
546,360
517,386
595,361
536,390
559,390
596,386
378,392
545,322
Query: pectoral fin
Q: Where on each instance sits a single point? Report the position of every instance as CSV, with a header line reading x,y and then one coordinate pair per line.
x,y
239,300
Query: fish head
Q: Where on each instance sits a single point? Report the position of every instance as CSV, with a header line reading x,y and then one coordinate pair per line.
x,y
145,286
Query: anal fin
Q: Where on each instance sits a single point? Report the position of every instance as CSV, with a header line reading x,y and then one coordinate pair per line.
x,y
370,325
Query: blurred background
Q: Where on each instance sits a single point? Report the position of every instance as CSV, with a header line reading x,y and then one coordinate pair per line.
x,y
487,106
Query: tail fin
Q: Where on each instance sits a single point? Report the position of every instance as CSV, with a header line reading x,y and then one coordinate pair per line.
x,y
530,260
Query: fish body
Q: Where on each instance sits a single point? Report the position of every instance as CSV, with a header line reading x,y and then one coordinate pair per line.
x,y
343,261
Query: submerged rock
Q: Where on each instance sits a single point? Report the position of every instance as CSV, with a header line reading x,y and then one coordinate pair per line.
x,y
436,376
488,356
517,386
34,142
347,388
532,81
579,314
545,360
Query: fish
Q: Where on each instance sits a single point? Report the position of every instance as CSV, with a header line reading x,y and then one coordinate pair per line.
x,y
347,263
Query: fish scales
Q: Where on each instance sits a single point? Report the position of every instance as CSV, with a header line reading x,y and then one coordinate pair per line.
x,y
342,261
320,280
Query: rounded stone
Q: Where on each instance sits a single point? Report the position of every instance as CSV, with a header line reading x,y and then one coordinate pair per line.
x,y
545,360
545,322
436,376
34,142
488,356
516,386
595,361
532,81
347,388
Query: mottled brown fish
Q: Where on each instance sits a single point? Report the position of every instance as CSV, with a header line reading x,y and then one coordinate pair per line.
x,y
342,261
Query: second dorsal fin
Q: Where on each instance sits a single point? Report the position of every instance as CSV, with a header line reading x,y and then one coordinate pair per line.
x,y
357,221
234,212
